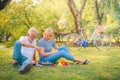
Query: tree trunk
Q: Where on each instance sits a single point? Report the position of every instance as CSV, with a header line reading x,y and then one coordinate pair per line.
x,y
99,15
76,14
7,36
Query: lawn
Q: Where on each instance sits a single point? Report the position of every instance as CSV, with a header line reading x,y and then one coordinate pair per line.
x,y
104,65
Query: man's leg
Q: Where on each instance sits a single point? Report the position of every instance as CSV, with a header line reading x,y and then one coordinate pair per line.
x,y
18,58
17,54
26,65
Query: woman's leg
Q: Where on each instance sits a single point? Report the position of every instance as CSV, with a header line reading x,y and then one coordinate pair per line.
x,y
67,50
54,57
64,48
63,51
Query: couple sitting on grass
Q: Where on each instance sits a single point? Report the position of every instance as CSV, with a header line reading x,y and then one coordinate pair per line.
x,y
24,50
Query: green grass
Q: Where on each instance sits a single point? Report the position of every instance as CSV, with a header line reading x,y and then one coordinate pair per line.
x,y
104,66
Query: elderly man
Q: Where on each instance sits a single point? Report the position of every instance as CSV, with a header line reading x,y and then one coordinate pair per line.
x,y
24,50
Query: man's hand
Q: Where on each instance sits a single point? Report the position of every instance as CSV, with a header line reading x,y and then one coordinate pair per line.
x,y
36,47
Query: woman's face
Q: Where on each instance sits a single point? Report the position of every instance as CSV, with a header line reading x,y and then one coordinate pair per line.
x,y
48,37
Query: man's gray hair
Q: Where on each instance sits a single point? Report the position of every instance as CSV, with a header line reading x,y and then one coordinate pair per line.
x,y
31,30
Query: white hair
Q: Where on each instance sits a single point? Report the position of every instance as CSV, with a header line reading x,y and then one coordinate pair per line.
x,y
31,30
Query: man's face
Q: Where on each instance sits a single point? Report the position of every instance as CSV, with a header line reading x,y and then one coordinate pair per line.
x,y
33,36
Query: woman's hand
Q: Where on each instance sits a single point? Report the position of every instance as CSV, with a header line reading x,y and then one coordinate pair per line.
x,y
54,51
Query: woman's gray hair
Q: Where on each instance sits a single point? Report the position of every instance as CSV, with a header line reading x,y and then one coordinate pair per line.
x,y
31,30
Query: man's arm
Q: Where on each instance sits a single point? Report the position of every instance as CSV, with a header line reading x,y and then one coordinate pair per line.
x,y
27,44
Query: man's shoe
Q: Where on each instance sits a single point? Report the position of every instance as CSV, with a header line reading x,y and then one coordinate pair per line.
x,y
15,65
26,69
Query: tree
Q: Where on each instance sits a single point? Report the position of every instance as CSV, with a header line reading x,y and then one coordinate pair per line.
x,y
4,3
99,10
114,5
76,13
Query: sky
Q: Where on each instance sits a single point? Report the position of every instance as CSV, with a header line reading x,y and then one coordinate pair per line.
x,y
34,1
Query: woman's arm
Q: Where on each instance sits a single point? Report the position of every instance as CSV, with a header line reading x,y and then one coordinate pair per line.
x,y
42,52
56,48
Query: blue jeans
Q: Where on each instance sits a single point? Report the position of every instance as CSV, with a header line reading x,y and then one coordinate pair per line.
x,y
63,51
21,60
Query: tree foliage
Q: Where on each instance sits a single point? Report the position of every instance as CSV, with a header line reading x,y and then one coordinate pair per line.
x,y
18,17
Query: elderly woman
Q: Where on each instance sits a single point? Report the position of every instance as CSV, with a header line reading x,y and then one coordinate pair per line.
x,y
47,55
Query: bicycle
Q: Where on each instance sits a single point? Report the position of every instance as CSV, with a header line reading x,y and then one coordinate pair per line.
x,y
98,38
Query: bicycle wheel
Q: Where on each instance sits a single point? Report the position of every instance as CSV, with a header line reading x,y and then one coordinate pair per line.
x,y
73,40
103,42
